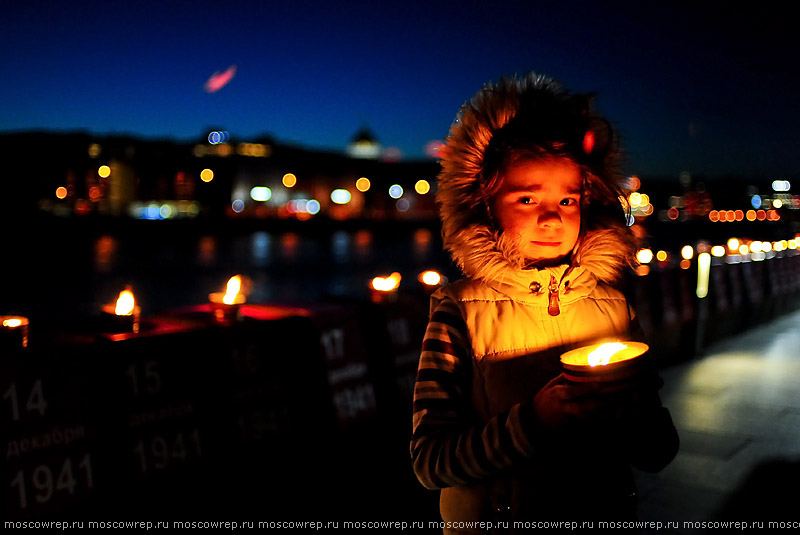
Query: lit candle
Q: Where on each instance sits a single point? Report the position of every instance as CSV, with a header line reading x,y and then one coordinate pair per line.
x,y
385,288
13,332
124,315
430,281
605,361
225,305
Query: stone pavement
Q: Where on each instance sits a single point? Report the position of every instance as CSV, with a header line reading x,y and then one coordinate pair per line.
x,y
737,409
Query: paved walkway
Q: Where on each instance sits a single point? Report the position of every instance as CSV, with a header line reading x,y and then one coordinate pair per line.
x,y
737,409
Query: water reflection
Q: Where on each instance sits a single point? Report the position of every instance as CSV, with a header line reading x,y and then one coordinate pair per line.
x,y
423,240
105,253
290,245
340,247
260,250
172,270
362,250
207,251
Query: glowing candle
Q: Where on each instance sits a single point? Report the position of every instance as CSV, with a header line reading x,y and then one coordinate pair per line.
x,y
13,332
385,288
225,305
123,315
606,361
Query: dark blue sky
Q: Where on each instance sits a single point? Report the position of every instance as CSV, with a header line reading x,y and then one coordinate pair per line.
x,y
710,90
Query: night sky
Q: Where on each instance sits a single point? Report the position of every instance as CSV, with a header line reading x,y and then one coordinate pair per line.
x,y
708,90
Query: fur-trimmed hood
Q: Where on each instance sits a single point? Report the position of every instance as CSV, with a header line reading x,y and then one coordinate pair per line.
x,y
549,117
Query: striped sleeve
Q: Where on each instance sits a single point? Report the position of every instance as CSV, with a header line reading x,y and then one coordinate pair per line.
x,y
450,444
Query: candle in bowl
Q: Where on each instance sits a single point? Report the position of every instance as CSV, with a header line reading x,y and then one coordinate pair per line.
x,y
225,305
13,332
124,315
384,289
606,361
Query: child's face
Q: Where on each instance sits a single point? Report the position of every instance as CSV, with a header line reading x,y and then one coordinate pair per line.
x,y
539,202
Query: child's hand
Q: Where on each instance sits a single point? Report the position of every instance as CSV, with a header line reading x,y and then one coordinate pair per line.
x,y
560,404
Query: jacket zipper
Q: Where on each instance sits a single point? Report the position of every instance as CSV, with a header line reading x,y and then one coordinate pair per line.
x,y
552,307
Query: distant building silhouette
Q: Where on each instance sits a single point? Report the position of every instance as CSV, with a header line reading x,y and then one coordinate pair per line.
x,y
364,145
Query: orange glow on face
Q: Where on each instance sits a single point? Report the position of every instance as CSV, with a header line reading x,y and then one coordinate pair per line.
x,y
125,303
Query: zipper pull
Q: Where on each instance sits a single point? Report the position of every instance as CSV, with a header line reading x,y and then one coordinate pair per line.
x,y
552,306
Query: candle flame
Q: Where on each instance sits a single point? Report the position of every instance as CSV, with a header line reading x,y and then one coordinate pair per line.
x,y
13,322
387,284
125,303
234,285
602,355
431,278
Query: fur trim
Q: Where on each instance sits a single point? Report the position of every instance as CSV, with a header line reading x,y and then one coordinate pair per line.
x,y
467,231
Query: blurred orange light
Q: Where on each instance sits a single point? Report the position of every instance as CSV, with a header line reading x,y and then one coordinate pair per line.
x,y
751,215
363,184
386,284
685,264
95,193
761,215
289,180
431,278
422,186
718,251
713,216
738,215
104,171
644,256
662,256
673,213
61,192
206,175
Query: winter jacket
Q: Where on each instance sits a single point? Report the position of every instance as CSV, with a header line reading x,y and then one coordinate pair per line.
x,y
494,339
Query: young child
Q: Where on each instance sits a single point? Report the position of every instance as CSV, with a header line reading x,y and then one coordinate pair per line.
x,y
532,214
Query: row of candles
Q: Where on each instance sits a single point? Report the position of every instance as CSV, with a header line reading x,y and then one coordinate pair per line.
x,y
599,361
